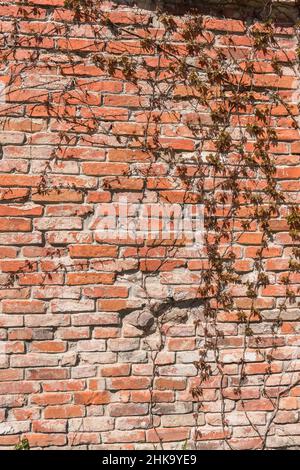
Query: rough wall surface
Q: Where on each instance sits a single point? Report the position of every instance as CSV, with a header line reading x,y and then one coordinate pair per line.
x,y
80,365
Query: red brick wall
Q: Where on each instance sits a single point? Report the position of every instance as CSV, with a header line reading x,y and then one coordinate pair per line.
x,y
76,368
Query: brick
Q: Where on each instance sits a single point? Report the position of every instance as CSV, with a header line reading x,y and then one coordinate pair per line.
x,y
14,293
128,383
261,368
74,333
17,266
181,344
49,292
76,439
224,25
11,138
31,279
46,374
127,17
49,426
92,345
62,195
123,344
14,321
130,423
89,278
19,180
18,387
14,427
129,436
179,420
21,210
141,396
92,398
68,305
9,440
12,347
168,434
24,414
64,385
63,238
262,404
83,153
170,384
33,360
68,210
14,194
105,113
104,169
122,155
289,403
66,411
90,251
106,291
15,225
128,409
48,346
122,182
45,440
51,398
105,319
115,370
95,424
185,370
23,306
8,252
78,182
106,332
116,305
10,374
58,223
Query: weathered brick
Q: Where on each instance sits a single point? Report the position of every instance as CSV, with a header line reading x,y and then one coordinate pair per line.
x,y
128,409
23,306
66,411
95,424
45,440
168,434
128,383
51,398
89,278
49,426
92,398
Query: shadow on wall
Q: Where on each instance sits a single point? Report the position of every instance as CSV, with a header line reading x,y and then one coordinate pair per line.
x,y
283,11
